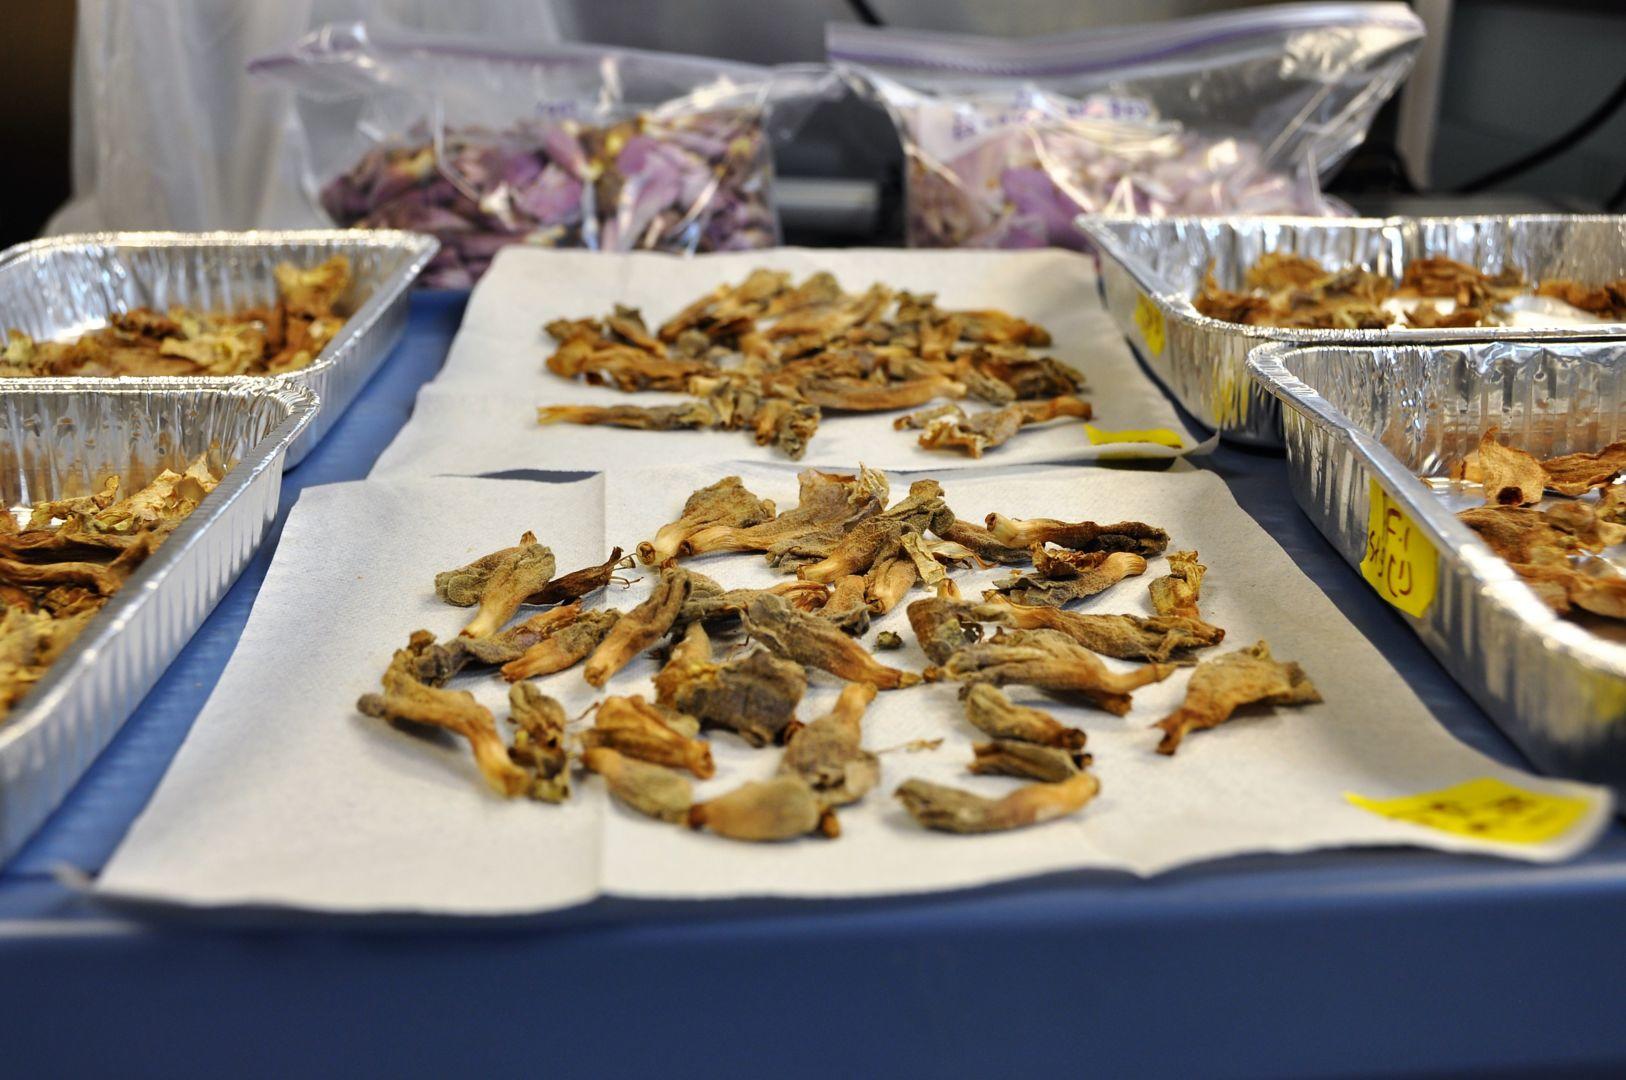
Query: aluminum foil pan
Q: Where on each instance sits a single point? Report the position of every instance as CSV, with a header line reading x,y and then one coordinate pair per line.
x,y
63,286
59,438
1395,414
1151,267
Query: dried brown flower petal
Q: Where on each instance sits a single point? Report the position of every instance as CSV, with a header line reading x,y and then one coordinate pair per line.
x,y
937,806
1177,592
856,552
1282,270
1093,572
782,808
649,789
639,628
992,713
563,645
1050,661
1607,301
711,603
539,742
1590,529
726,503
1519,534
995,427
580,583
1576,474
1563,587
755,695
815,642
405,699
848,605
1132,536
923,418
1220,686
689,416
256,340
827,501
828,753
943,624
499,582
439,662
1125,637
1026,760
639,729
1510,477
983,544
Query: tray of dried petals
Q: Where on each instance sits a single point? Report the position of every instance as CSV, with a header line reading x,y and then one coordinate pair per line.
x,y
1193,295
319,308
1475,487
698,683
133,510
899,359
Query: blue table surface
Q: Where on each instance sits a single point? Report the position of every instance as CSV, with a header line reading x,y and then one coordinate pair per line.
x,y
1391,961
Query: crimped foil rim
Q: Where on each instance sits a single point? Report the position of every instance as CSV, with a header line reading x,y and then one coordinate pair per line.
x,y
420,247
1102,231
1497,580
37,706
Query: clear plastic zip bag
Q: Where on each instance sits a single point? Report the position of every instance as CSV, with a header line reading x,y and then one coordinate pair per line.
x,y
1008,141
562,145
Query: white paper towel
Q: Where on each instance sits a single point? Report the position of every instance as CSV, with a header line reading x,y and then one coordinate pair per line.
x,y
479,415
284,795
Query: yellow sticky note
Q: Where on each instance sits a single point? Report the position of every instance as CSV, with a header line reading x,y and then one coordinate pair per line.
x,y
1399,563
1484,808
1160,436
1150,321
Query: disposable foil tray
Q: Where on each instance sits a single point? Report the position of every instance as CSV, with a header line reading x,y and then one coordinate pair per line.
x,y
1152,267
61,438
1382,425
63,286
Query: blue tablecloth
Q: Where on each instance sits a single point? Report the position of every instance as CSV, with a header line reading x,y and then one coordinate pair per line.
x,y
1345,962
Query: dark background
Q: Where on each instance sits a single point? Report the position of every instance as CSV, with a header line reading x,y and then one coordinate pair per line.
x,y
1517,74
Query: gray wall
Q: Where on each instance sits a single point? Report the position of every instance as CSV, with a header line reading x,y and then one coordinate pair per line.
x,y
1517,74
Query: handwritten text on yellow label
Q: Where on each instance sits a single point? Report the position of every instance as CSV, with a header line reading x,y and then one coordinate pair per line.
x,y
1150,321
1399,561
1160,436
1485,808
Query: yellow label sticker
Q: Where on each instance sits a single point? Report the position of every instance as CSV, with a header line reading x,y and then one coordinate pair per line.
x,y
1399,562
1485,808
1160,436
1150,321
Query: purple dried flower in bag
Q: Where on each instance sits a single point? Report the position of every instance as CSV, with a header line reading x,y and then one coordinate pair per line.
x,y
1008,141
